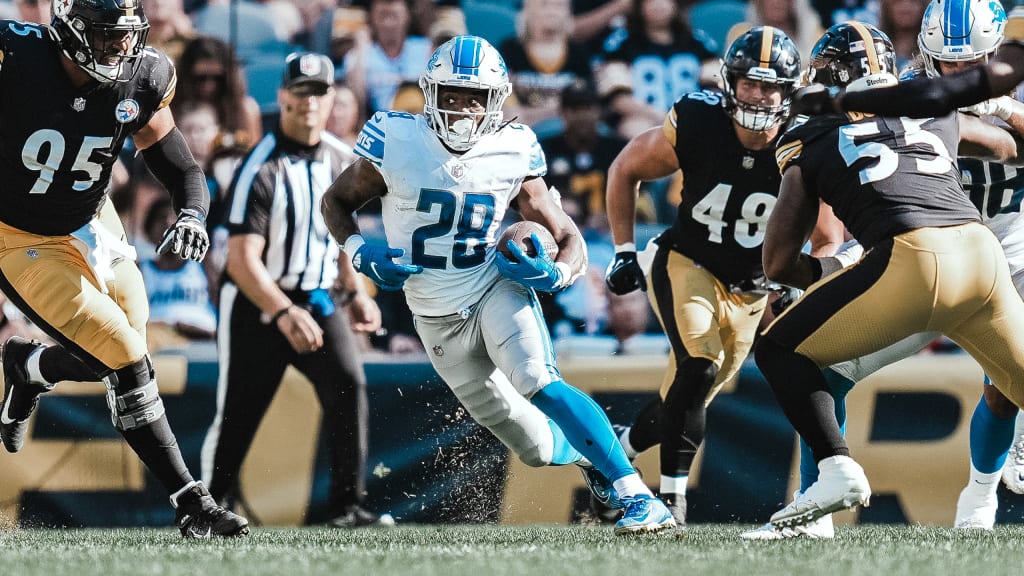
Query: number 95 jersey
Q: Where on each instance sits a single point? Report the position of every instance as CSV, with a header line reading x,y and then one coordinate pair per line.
x,y
58,143
445,209
728,191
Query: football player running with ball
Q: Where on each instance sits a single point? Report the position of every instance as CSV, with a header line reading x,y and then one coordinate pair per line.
x,y
707,286
70,95
445,179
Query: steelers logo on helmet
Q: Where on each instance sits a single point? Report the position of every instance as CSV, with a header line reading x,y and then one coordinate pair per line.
x,y
767,56
855,56
105,38
465,63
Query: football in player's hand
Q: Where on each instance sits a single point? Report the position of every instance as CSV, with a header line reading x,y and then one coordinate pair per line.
x,y
521,233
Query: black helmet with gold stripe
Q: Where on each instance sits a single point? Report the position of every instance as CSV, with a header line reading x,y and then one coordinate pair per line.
x,y
766,55
105,38
855,56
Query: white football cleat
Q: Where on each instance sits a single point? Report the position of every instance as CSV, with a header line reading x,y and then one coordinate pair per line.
x,y
841,484
1013,470
821,528
976,508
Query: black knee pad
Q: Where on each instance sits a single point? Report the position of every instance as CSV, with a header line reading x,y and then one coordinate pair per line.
x,y
133,396
693,382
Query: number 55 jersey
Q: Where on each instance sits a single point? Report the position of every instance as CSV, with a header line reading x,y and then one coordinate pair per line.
x,y
57,142
445,209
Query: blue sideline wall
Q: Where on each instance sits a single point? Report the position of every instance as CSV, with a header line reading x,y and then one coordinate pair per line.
x,y
430,463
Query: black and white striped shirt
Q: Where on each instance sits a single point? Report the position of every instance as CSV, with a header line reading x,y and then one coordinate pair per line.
x,y
276,194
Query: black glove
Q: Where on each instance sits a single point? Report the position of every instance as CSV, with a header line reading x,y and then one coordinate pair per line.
x,y
786,297
624,274
815,100
187,237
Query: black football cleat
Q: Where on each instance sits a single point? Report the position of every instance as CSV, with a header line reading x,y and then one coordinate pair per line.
x,y
199,517
21,396
356,516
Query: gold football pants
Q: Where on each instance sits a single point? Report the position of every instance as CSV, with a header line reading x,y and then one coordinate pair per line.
x,y
49,279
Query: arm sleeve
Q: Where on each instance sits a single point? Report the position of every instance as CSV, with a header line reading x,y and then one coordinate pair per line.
x,y
923,97
172,163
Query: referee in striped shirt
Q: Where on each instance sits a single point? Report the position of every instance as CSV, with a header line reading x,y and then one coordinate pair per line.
x,y
290,298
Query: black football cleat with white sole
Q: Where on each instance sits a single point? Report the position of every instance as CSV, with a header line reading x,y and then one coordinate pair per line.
x,y
21,396
199,517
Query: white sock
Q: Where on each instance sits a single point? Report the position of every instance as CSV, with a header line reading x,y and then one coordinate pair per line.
x,y
630,486
674,484
981,480
32,367
631,452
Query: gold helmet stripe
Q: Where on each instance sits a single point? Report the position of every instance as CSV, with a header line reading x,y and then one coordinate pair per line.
x,y
766,45
869,47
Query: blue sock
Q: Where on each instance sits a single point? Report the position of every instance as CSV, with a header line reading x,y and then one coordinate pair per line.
x,y
991,438
585,426
563,452
839,386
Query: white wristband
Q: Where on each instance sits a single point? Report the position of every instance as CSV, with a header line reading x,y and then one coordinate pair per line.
x,y
625,247
565,274
352,244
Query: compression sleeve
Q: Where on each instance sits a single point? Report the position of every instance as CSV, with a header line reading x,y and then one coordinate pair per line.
x,y
923,97
172,163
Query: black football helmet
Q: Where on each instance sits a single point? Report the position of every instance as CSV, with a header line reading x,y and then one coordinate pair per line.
x,y
92,33
763,54
855,56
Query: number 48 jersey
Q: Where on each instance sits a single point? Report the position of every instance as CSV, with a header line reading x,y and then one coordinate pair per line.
x,y
728,191
445,209
57,142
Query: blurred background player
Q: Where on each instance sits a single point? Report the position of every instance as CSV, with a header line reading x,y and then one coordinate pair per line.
x,y
476,312
707,284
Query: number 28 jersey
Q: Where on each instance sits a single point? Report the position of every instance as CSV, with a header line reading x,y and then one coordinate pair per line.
x,y
728,191
445,209
57,142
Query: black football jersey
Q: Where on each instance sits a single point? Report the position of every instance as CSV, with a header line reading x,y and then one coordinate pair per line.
x,y
728,191
58,143
581,176
882,176
532,84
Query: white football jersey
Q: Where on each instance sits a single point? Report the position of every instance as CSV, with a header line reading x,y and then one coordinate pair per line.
x,y
998,192
445,209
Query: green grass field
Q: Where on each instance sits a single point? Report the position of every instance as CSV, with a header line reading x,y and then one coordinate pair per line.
x,y
542,550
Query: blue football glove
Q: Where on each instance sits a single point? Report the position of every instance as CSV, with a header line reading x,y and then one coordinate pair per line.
x,y
539,272
378,264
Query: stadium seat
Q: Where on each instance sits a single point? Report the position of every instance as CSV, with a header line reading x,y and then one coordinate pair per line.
x,y
494,21
715,17
263,77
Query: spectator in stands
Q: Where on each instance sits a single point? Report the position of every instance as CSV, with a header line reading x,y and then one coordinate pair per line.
x,y
209,72
794,17
594,20
170,28
178,292
652,61
381,61
347,116
901,21
832,12
543,60
579,156
38,11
